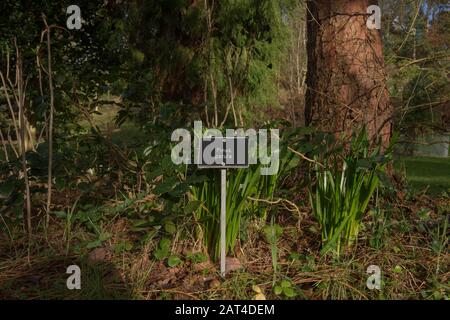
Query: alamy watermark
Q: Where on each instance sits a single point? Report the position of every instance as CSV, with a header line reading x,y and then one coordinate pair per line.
x,y
374,20
74,280
374,280
74,20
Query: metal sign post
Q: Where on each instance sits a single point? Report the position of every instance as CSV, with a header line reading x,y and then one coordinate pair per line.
x,y
223,220
223,153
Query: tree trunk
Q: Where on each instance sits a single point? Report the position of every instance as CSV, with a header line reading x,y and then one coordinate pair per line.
x,y
346,77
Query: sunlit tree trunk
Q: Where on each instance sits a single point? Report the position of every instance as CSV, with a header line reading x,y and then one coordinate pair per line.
x,y
346,77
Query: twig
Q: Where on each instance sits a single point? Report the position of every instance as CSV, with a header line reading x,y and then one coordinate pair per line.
x,y
21,88
4,146
8,101
294,207
50,126
305,157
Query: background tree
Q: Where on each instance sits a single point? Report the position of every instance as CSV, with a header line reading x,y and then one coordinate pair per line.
x,y
416,50
346,76
210,59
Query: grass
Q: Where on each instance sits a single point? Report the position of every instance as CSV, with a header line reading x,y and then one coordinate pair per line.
x,y
410,270
423,172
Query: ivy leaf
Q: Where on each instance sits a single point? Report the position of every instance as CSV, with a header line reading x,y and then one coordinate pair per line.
x,y
289,292
161,254
285,284
173,261
278,290
123,246
166,186
170,227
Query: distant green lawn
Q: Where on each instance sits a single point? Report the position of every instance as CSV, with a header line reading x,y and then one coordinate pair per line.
x,y
426,171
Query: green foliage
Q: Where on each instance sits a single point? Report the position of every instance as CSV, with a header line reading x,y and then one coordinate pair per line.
x,y
197,257
379,227
163,249
286,288
85,63
416,50
173,261
342,193
272,233
198,57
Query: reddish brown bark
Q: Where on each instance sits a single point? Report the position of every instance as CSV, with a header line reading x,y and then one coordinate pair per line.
x,y
346,76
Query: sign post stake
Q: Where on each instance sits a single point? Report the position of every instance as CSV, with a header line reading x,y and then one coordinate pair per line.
x,y
223,153
223,220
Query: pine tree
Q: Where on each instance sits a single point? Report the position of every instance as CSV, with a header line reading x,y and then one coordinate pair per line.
x,y
346,76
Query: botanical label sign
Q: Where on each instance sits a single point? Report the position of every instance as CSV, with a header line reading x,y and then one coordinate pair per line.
x,y
223,152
